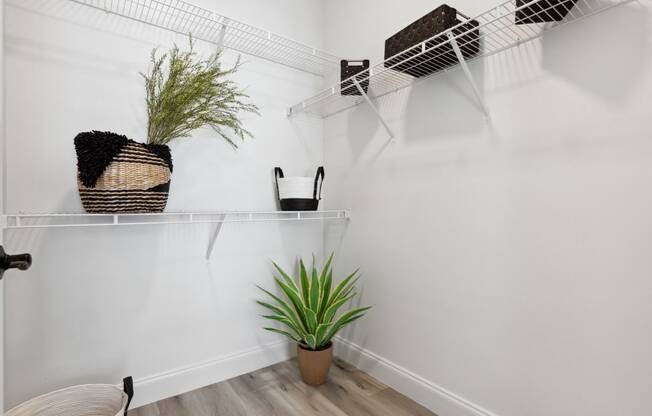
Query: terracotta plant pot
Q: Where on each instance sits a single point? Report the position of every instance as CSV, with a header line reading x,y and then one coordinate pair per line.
x,y
314,365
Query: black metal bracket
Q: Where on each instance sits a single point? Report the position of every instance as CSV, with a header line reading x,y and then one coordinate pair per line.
x,y
17,261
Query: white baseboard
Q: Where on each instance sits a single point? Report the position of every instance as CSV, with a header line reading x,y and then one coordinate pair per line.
x,y
161,386
428,394
424,392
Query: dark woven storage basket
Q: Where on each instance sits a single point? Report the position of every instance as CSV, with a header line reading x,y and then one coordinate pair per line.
x,y
408,42
118,175
543,11
348,70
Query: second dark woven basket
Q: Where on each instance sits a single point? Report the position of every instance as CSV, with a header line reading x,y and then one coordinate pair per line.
x,y
118,175
348,69
543,11
404,53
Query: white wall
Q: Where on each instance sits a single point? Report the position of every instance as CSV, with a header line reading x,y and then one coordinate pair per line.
x,y
2,142
508,262
100,304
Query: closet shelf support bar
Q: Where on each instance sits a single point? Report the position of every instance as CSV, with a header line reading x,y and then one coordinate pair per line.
x,y
469,75
216,233
374,108
221,35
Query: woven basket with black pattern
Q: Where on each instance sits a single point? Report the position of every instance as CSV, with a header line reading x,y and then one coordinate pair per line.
x,y
118,175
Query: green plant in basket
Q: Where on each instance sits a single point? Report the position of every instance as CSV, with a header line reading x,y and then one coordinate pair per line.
x,y
185,92
309,311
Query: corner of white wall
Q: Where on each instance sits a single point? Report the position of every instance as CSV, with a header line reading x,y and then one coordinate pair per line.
x,y
171,383
417,388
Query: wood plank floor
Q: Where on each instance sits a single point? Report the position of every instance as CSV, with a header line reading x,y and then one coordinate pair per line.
x,y
278,391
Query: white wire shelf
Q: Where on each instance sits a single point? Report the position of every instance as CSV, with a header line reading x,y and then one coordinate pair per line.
x,y
186,19
498,31
28,221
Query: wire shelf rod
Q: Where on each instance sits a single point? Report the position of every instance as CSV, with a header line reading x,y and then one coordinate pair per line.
x,y
186,19
30,221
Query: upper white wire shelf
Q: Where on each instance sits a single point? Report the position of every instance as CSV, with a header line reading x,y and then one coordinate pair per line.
x,y
187,19
498,31
27,221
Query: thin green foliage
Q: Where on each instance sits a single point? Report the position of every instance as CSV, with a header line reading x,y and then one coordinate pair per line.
x,y
311,304
185,92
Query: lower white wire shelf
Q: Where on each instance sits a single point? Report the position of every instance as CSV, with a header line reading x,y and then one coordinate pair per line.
x,y
27,221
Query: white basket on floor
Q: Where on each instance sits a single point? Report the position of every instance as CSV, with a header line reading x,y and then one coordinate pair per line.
x,y
85,400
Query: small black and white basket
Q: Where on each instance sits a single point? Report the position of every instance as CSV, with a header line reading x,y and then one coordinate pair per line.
x,y
299,193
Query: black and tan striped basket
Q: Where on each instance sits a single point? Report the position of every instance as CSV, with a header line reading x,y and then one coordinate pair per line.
x,y
118,175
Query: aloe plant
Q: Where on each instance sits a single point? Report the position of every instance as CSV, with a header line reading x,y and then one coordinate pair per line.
x,y
309,309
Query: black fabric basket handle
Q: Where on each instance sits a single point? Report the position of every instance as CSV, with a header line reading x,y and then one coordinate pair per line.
x,y
320,174
128,384
278,173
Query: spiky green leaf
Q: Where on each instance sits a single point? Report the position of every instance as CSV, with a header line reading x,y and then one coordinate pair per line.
x,y
287,322
296,301
345,319
311,341
315,291
325,295
311,319
327,268
305,282
276,309
284,333
332,309
320,335
288,280
290,311
342,285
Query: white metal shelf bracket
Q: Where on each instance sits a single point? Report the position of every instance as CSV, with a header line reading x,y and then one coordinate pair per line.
x,y
373,107
221,35
469,76
216,233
